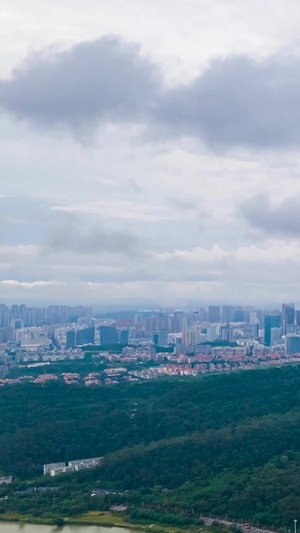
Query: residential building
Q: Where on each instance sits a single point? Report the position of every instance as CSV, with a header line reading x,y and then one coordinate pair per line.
x,y
271,321
288,317
108,335
85,336
214,313
292,343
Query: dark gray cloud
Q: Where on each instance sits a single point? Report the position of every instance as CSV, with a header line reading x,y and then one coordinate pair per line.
x,y
279,219
236,102
26,221
104,79
72,233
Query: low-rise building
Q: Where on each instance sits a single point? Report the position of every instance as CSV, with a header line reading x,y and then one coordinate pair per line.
x,y
85,463
54,469
118,508
6,480
52,466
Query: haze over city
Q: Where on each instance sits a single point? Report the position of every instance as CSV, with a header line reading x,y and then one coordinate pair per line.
x,y
149,153
147,344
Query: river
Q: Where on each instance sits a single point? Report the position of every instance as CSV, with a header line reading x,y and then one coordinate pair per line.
x,y
17,527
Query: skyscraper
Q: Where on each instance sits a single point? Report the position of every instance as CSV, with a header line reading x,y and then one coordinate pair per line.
x,y
275,335
163,337
214,313
271,321
255,329
228,312
85,336
238,315
292,343
108,335
124,334
288,317
70,339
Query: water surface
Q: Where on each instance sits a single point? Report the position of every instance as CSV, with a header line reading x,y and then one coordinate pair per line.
x,y
17,527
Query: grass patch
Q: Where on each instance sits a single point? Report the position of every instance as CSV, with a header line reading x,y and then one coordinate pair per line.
x,y
18,517
107,519
122,520
101,518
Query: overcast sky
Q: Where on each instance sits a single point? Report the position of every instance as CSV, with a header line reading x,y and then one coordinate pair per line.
x,y
149,152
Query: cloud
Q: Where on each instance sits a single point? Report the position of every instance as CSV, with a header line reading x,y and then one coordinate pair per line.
x,y
236,101
111,293
29,285
183,277
43,230
275,252
93,81
71,233
274,219
128,210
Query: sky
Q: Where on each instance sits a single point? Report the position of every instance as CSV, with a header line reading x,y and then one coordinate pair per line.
x,y
149,152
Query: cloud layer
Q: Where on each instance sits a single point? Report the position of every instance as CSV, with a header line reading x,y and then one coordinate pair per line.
x,y
92,82
239,102
281,218
71,233
186,188
236,101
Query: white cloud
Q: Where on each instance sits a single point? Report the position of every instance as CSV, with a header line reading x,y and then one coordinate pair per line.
x,y
181,36
27,285
275,252
128,210
20,250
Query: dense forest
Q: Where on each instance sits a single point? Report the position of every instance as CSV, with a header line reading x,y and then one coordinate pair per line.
x,y
226,445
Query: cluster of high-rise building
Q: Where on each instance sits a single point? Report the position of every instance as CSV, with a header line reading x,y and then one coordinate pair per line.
x,y
66,327
284,325
40,316
19,317
33,325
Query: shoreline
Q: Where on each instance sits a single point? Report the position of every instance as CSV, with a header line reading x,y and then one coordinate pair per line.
x,y
69,521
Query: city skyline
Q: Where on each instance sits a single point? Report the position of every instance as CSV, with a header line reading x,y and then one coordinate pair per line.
x,y
58,333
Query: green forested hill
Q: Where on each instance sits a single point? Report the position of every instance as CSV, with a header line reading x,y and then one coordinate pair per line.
x,y
227,444
56,422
